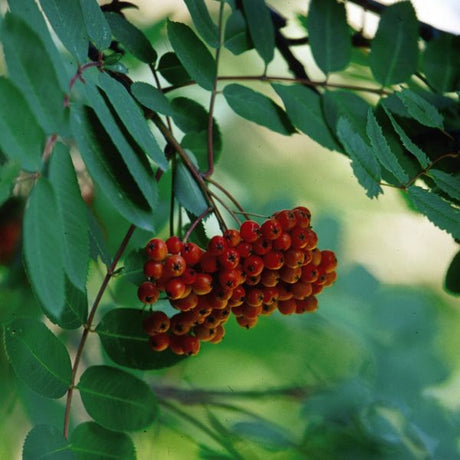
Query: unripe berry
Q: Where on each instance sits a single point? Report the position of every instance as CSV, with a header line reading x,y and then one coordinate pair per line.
x,y
156,249
148,293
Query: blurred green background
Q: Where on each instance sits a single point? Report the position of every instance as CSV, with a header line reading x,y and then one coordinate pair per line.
x,y
374,373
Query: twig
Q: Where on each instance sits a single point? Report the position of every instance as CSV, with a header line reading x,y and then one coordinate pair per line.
x,y
229,196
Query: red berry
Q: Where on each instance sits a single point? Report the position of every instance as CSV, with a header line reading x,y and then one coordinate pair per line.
x,y
174,244
229,259
249,231
310,273
186,303
328,261
261,246
155,323
287,307
254,297
204,333
175,265
175,288
310,304
244,249
189,276
202,284
156,249
299,237
238,296
192,253
253,265
229,279
153,270
232,237
271,295
294,258
301,290
159,342
246,322
181,323
283,243
312,239
274,260
270,278
148,293
286,218
219,334
290,275
303,216
217,245
208,263
271,229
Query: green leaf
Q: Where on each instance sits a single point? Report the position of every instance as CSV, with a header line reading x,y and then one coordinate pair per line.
x,y
131,38
24,54
338,104
97,27
438,211
134,158
188,192
420,109
261,29
410,146
267,435
38,357
46,441
236,36
382,149
72,211
22,138
328,35
98,245
91,441
363,162
193,54
452,280
303,107
117,400
131,116
30,13
189,115
8,173
76,307
126,343
152,98
43,250
258,108
448,183
66,18
172,70
441,63
133,269
197,143
107,167
203,22
394,49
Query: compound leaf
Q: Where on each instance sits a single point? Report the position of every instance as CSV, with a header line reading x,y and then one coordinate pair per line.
x,y
236,37
43,250
193,54
420,109
394,49
91,441
303,107
258,108
203,22
126,343
448,183
363,161
328,34
116,399
46,441
38,357
261,29
438,210
131,38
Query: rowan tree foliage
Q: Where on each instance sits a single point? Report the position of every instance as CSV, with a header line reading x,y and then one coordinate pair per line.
x,y
89,150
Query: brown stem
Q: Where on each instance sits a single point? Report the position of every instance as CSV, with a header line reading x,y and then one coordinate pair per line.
x,y
222,202
229,196
195,223
88,323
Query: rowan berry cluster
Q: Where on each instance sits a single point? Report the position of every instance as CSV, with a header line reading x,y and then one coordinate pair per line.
x,y
250,272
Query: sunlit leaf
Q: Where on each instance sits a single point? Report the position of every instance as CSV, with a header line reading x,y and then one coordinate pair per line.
x,y
452,280
151,97
22,138
448,183
329,35
43,249
172,70
441,63
193,54
24,54
261,29
256,107
303,107
66,18
236,37
38,357
414,149
117,400
97,27
72,212
132,38
420,109
126,343
46,441
394,49
382,149
203,22
363,161
107,167
90,441
438,211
